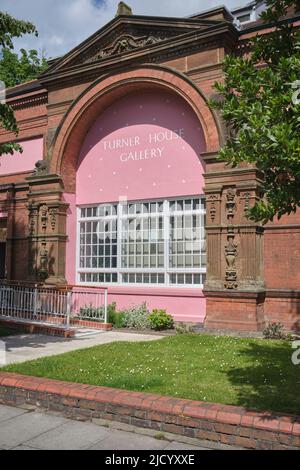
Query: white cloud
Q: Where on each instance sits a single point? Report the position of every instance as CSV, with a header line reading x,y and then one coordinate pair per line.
x,y
63,24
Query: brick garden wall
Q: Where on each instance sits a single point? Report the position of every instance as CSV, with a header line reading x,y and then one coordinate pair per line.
x,y
206,421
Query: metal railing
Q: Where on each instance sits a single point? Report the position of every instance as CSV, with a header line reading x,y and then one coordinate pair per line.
x,y
52,305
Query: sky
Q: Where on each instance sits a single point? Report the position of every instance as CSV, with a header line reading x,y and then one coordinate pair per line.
x,y
63,24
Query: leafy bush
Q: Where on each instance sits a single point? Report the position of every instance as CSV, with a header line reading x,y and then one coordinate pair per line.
x,y
182,328
275,331
91,313
114,317
160,320
136,317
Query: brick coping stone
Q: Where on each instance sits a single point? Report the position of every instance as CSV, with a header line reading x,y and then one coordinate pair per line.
x,y
225,424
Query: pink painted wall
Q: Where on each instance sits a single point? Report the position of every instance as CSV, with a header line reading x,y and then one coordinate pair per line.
x,y
144,146
189,308
71,243
19,162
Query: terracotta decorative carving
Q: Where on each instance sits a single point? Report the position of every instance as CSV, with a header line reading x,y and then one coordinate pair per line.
x,y
126,43
212,210
32,225
230,203
231,254
247,202
231,247
44,217
52,215
43,271
41,168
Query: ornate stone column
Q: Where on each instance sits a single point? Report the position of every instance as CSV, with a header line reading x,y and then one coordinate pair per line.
x,y
234,286
47,228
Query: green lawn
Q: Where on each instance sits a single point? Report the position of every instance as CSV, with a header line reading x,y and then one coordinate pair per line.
x,y
257,374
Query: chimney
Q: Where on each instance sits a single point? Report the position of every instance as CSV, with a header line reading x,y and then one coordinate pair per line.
x,y
123,9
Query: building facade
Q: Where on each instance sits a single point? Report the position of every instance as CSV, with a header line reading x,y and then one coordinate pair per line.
x,y
119,183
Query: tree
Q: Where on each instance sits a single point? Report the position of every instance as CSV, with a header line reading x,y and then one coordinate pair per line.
x,y
15,70
11,28
259,103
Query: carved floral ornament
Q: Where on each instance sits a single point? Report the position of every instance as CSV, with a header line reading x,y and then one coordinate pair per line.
x,y
126,43
231,248
231,254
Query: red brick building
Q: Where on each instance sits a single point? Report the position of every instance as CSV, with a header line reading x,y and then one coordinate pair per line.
x,y
126,146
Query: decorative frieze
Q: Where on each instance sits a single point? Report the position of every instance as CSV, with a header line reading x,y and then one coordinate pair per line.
x,y
125,43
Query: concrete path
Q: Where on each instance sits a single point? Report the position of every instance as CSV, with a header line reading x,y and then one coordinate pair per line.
x,y
27,347
23,429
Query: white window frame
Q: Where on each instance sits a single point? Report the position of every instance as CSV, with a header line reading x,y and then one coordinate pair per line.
x,y
167,271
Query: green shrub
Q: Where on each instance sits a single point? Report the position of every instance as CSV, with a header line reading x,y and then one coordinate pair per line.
x,y
114,317
160,320
91,313
275,331
136,317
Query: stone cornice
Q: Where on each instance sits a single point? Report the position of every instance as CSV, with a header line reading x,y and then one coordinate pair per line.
x,y
27,101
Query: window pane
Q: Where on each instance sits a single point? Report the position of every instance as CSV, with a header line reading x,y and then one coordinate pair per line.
x,y
142,243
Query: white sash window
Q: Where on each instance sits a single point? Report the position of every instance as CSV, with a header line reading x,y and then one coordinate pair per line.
x,y
149,242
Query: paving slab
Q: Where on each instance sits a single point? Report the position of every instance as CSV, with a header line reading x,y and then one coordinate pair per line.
x,y
8,412
23,428
72,435
181,446
123,440
29,347
30,430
